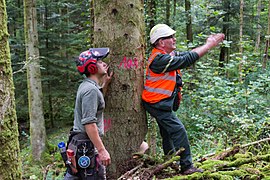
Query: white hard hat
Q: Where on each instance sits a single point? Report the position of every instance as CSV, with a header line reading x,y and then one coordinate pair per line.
x,y
159,31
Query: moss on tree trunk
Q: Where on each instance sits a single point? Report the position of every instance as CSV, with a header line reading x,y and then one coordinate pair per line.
x,y
10,163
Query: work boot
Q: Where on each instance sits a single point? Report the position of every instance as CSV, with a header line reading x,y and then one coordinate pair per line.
x,y
192,170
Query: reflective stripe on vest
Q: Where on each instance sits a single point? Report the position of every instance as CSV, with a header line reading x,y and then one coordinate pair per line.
x,y
165,77
158,86
158,90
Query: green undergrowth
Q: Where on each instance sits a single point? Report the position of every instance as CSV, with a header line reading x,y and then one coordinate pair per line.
x,y
251,162
51,167
243,165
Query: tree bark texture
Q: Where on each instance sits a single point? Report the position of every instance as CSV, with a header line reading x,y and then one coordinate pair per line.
x,y
37,123
10,162
119,25
168,12
189,21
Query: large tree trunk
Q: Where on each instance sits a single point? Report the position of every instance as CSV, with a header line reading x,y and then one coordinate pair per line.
x,y
37,123
10,162
121,29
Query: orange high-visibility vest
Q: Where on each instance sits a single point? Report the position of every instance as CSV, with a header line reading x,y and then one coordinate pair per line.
x,y
158,86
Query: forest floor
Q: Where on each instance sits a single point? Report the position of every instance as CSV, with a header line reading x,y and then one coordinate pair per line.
x,y
248,161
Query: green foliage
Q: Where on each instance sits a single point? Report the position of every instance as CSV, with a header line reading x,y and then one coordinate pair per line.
x,y
217,110
221,108
237,166
52,167
63,34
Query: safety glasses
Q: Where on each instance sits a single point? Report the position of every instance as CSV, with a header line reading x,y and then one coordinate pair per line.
x,y
168,37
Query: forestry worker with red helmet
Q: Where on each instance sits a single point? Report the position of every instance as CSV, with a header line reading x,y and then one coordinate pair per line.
x,y
85,140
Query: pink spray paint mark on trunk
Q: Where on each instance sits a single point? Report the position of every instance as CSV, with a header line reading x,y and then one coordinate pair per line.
x,y
107,124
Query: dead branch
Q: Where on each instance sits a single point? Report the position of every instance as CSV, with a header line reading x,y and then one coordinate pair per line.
x,y
46,170
126,176
149,172
143,173
256,142
145,158
228,153
228,150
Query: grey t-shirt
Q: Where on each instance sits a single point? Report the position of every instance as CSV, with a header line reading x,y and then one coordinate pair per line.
x,y
89,106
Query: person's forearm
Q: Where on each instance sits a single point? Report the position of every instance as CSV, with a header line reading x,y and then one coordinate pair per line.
x,y
202,50
211,42
92,132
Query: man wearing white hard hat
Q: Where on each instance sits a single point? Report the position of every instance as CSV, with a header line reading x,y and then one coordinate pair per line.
x,y
162,89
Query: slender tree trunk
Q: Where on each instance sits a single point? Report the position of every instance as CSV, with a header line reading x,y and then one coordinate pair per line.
x,y
174,9
241,40
189,35
151,20
189,21
259,27
168,12
225,29
10,162
152,135
152,13
267,42
37,123
121,28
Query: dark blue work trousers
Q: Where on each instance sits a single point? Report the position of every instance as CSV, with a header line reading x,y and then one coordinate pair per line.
x,y
173,133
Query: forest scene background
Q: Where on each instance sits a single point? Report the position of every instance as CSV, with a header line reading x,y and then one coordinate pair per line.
x,y
225,96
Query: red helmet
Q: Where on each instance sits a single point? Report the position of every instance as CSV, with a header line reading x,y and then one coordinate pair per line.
x,y
86,63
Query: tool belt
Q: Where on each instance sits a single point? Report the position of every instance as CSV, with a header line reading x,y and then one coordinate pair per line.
x,y
83,160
